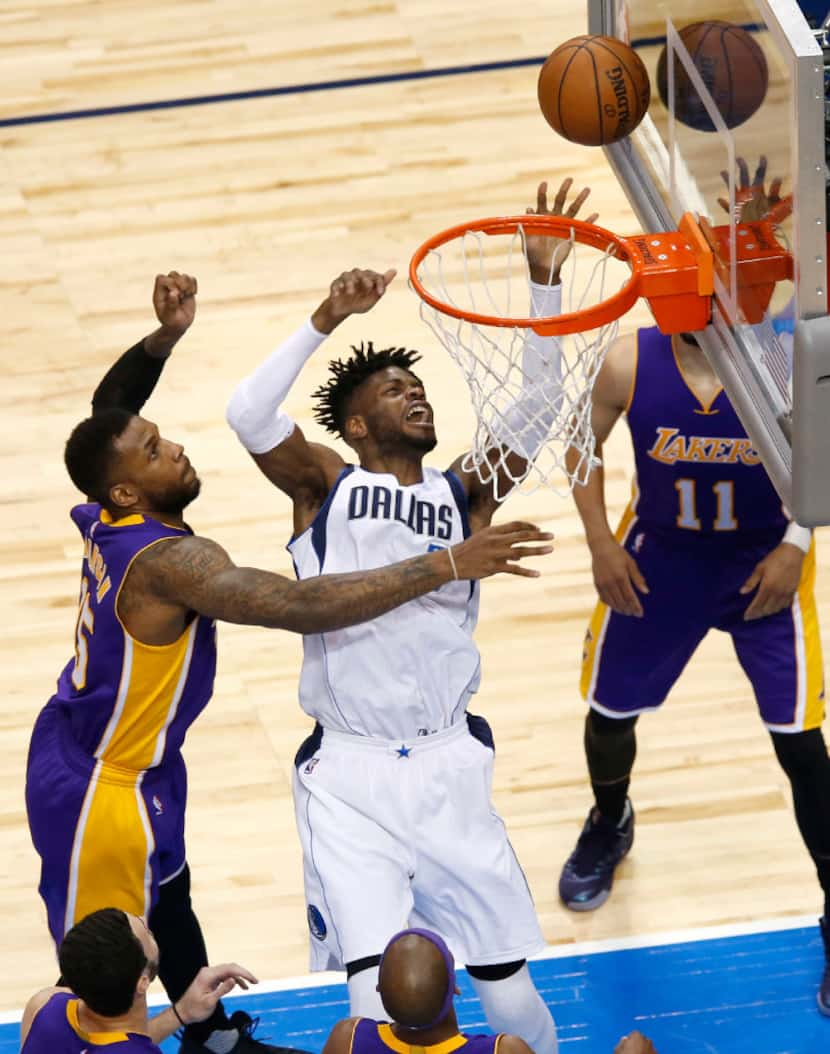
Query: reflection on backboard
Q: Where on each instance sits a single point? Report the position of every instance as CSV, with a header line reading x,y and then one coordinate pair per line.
x,y
735,82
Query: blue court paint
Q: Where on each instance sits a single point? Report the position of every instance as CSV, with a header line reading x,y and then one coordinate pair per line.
x,y
751,994
267,93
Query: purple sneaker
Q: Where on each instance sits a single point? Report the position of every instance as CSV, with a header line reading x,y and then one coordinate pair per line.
x,y
823,994
588,874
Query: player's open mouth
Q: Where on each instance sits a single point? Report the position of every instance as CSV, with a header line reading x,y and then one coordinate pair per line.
x,y
421,413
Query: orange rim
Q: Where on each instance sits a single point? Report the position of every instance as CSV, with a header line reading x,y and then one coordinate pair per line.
x,y
557,226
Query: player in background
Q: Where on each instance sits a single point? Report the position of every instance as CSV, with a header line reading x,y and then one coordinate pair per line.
x,y
704,543
416,838
416,984
106,783
108,961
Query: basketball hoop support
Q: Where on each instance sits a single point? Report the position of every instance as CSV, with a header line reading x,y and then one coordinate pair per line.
x,y
673,270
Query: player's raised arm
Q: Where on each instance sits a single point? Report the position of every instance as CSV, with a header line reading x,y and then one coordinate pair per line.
x,y
305,471
616,575
130,381
526,424
198,574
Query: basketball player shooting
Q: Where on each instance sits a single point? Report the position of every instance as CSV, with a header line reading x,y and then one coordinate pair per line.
x,y
414,836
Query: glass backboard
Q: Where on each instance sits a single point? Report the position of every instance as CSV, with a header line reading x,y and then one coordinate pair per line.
x,y
735,81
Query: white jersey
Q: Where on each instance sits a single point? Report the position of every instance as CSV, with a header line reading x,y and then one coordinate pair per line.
x,y
411,671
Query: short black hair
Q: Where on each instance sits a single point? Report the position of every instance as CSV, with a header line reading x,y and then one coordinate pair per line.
x,y
346,376
89,452
101,960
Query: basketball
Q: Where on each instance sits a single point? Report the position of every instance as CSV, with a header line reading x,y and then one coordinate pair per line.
x,y
593,90
731,65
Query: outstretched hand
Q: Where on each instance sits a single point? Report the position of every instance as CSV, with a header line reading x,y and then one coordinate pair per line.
x,y
496,549
754,202
352,293
208,987
545,254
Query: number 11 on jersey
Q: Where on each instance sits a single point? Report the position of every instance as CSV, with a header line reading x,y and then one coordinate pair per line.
x,y
687,517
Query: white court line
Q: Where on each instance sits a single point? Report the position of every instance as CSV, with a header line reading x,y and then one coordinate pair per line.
x,y
555,951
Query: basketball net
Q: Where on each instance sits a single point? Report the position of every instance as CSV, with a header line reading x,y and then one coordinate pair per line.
x,y
530,393
529,365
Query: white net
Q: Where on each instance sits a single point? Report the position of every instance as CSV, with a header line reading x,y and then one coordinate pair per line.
x,y
531,395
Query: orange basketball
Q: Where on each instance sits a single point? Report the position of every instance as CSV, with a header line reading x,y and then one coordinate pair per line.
x,y
593,90
732,67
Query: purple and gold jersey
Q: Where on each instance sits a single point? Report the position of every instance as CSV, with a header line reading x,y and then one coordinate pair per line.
x,y
56,1030
697,470
129,704
373,1037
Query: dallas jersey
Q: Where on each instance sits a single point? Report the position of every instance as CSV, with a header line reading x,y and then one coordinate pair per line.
x,y
696,468
56,1029
411,671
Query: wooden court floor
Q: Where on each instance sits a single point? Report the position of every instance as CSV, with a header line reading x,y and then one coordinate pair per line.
x,y
265,200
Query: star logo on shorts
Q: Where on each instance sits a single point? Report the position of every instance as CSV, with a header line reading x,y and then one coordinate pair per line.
x,y
404,751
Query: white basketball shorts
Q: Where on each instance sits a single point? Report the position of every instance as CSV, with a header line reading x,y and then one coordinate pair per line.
x,y
397,834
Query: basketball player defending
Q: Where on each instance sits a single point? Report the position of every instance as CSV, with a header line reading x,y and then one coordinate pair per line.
x,y
106,784
392,790
704,544
417,987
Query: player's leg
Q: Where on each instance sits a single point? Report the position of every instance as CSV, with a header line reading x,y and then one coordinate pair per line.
x,y
349,803
513,1006
468,884
781,655
56,792
629,666
173,922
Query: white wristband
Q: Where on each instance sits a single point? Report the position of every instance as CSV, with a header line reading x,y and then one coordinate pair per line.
x,y
545,300
799,536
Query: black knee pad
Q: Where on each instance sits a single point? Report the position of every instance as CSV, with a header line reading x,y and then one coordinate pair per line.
x,y
802,755
359,965
497,972
598,724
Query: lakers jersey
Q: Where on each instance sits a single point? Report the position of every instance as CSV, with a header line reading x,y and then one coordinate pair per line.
x,y
411,671
129,704
56,1029
373,1037
697,470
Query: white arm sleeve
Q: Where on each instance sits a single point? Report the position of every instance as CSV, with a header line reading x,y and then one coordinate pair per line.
x,y
253,411
526,424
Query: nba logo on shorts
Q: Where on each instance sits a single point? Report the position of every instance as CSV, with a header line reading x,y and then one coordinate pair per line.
x,y
157,805
316,922
638,542
310,767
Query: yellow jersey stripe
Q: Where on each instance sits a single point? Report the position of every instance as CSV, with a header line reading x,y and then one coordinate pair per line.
x,y
156,678
99,1039
389,1039
811,666
114,851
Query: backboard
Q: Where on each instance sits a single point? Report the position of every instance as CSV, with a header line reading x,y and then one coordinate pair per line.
x,y
685,157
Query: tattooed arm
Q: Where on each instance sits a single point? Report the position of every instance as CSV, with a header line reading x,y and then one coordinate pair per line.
x,y
197,574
